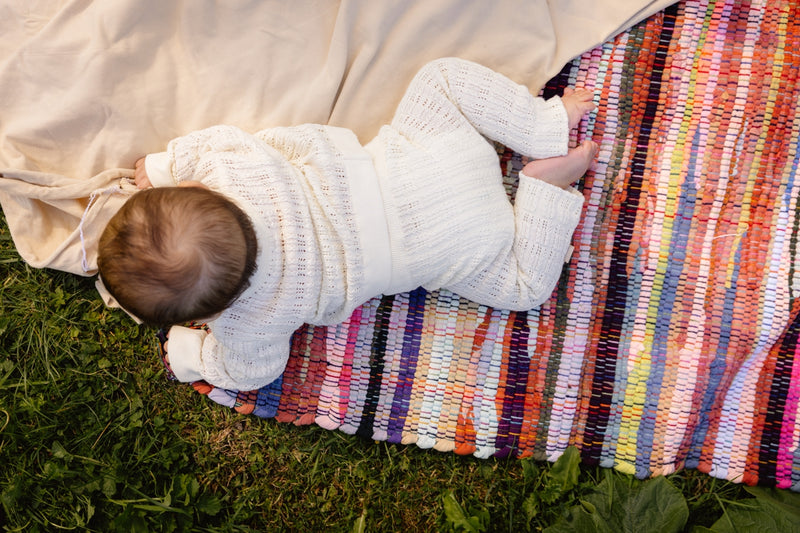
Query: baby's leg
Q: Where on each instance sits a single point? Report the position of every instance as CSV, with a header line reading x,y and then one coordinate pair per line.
x,y
565,170
452,94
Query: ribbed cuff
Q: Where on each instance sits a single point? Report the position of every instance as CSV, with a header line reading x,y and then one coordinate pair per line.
x,y
550,135
184,352
158,170
563,206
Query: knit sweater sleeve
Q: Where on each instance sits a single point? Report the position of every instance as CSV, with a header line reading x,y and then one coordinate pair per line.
x,y
237,365
200,154
524,276
448,91
204,154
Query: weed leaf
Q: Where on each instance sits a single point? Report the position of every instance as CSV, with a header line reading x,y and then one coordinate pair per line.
x,y
208,504
621,506
770,510
360,525
567,469
782,501
458,519
59,452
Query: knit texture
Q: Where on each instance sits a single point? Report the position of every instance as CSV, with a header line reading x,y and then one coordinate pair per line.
x,y
672,340
449,218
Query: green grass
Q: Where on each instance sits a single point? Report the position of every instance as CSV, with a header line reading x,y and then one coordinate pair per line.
x,y
93,438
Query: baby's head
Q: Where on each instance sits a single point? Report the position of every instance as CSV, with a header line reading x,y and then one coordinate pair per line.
x,y
176,254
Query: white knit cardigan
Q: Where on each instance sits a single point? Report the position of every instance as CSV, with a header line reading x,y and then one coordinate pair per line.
x,y
421,205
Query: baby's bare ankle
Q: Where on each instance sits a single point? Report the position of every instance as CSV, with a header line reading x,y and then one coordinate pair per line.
x,y
565,170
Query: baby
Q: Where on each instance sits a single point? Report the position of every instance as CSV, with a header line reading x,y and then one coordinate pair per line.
x,y
258,234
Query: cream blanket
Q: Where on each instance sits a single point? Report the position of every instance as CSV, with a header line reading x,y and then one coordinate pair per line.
x,y
88,87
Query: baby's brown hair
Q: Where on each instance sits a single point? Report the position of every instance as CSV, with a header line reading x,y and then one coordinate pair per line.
x,y
176,254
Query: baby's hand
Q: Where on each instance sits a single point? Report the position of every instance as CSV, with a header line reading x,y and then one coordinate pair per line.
x,y
577,102
140,175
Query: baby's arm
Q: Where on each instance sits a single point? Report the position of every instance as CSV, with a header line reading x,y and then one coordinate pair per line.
x,y
154,170
182,352
196,156
195,354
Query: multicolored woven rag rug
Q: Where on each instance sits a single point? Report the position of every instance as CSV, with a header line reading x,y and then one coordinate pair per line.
x,y
672,339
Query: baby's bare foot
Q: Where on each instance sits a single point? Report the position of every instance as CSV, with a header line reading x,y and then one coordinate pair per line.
x,y
577,102
565,170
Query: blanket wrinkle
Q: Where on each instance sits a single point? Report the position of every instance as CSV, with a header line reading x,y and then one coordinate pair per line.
x,y
113,189
60,215
91,86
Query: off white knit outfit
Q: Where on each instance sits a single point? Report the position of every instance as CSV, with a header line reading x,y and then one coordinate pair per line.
x,y
421,205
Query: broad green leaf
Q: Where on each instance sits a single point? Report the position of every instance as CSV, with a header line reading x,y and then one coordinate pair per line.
x,y
531,506
567,469
458,518
623,505
360,526
209,504
530,470
771,510
781,500
59,452
109,487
